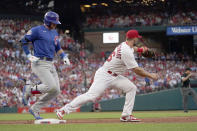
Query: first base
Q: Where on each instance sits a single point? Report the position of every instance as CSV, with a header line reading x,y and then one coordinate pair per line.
x,y
49,121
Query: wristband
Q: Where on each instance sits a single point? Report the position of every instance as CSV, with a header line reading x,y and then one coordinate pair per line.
x,y
26,49
139,50
62,55
29,55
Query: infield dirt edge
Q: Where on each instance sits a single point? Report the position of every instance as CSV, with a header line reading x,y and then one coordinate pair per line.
x,y
110,120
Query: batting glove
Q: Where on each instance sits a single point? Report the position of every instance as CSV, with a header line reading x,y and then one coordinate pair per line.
x,y
32,58
66,60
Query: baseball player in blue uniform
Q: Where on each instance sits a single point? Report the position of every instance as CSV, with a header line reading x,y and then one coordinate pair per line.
x,y
45,44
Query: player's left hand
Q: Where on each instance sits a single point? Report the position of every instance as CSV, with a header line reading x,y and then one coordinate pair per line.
x,y
66,60
148,53
32,58
144,49
140,49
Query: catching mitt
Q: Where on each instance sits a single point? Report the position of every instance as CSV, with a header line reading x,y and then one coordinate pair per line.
x,y
148,54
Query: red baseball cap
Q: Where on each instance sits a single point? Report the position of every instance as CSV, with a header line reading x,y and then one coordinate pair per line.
x,y
133,34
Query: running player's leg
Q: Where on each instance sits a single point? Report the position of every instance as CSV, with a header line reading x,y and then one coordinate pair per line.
x,y
40,69
55,75
49,87
96,89
130,89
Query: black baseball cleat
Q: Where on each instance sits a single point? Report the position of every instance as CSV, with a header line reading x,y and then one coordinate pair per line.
x,y
186,111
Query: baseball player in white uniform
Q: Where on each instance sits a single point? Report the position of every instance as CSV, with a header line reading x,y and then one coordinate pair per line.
x,y
109,75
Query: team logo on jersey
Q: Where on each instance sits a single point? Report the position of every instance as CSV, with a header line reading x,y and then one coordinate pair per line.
x,y
56,39
29,32
116,53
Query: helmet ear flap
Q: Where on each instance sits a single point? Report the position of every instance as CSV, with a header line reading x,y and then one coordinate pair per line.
x,y
47,22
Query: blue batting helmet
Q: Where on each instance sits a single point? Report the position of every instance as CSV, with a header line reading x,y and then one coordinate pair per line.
x,y
51,17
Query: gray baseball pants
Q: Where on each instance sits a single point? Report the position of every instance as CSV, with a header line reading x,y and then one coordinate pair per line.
x,y
50,87
185,93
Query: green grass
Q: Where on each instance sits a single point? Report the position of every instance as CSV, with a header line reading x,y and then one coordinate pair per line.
x,y
140,114
103,127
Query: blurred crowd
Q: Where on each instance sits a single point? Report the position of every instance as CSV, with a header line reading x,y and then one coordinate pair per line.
x,y
12,30
141,19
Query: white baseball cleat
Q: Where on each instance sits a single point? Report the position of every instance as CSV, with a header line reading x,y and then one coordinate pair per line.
x,y
60,114
130,118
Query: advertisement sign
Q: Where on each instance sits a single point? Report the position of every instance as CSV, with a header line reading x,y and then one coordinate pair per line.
x,y
43,110
181,30
112,37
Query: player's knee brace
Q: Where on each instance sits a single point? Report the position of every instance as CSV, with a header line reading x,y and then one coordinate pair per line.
x,y
34,90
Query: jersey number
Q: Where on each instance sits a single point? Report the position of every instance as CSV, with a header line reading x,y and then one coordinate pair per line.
x,y
110,57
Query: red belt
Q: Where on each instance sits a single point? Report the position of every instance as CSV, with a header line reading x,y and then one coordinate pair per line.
x,y
113,74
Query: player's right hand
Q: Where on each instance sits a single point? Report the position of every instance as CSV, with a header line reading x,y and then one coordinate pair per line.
x,y
66,60
32,58
191,74
154,76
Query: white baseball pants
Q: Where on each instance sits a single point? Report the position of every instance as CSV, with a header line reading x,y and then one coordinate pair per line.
x,y
102,81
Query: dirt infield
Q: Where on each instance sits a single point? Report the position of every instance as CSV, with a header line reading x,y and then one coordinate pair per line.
x,y
88,121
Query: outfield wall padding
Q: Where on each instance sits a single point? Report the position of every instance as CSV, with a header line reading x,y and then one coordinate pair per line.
x,y
8,110
163,100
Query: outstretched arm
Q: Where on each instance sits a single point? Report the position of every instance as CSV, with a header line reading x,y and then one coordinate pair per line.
x,y
141,72
140,49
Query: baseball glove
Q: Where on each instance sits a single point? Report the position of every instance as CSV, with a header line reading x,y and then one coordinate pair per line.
x,y
148,54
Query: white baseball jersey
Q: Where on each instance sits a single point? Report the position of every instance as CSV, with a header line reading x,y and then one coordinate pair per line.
x,y
121,59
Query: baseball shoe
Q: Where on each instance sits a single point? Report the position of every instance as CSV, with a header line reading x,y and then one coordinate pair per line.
x,y
35,114
130,118
60,114
26,93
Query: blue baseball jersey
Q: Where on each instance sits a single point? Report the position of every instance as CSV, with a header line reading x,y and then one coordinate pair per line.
x,y
45,42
